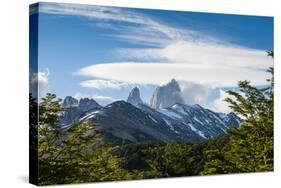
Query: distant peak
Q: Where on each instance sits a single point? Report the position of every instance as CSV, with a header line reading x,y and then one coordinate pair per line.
x,y
173,80
134,96
116,103
166,95
88,103
173,83
135,89
197,105
69,101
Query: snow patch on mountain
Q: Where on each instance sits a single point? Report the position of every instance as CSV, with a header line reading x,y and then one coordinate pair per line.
x,y
169,113
196,130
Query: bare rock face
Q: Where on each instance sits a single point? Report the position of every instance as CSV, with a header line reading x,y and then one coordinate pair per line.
x,y
76,109
87,104
166,95
69,102
134,97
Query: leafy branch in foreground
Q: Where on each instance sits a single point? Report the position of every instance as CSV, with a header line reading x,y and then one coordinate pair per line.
x,y
77,155
250,147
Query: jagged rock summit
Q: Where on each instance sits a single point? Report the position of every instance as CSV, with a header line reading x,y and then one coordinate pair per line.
x,y
76,109
166,95
69,101
87,104
134,97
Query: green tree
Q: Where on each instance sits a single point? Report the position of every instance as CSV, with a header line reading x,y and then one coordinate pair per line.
x,y
48,126
33,139
77,155
250,147
61,154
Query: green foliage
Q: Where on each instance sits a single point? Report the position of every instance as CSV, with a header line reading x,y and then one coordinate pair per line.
x,y
250,147
49,116
75,156
33,139
33,127
171,159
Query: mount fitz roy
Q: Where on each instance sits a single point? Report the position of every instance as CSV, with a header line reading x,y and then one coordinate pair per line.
x,y
166,95
166,119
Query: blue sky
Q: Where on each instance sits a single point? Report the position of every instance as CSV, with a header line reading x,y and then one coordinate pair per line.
x,y
102,52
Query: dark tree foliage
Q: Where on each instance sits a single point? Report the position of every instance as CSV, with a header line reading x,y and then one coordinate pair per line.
x,y
33,140
250,147
75,156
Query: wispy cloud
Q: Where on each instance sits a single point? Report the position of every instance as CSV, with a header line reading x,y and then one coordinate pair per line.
x,y
102,100
39,83
104,84
136,27
220,105
194,93
159,73
202,53
216,63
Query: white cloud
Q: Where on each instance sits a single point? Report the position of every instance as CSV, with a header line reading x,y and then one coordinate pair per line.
x,y
39,83
104,84
219,105
102,100
194,93
215,54
202,53
159,73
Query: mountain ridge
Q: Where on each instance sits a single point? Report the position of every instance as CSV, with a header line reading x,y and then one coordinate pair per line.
x,y
125,122
135,121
